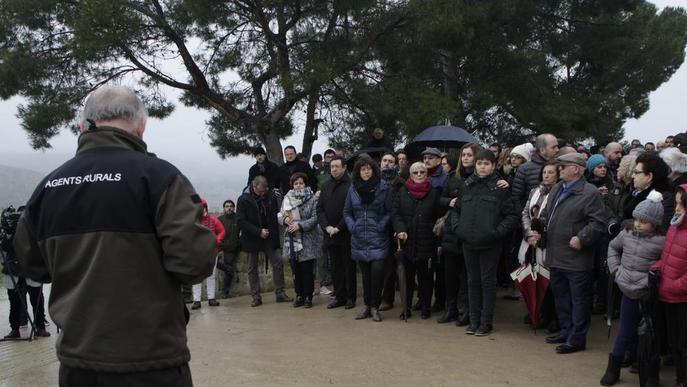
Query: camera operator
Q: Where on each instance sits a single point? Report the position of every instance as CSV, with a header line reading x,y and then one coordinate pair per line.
x,y
15,283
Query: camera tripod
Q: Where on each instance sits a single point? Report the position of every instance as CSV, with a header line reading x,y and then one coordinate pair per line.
x,y
22,299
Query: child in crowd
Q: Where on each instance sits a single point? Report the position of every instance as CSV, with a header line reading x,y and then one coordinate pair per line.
x,y
672,288
630,255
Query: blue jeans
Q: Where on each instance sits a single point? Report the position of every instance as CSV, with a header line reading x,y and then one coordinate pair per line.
x,y
629,321
572,292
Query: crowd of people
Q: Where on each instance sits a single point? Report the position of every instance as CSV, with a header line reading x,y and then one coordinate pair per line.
x,y
465,219
458,222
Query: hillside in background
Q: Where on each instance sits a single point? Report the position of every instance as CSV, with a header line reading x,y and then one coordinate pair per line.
x,y
21,172
16,185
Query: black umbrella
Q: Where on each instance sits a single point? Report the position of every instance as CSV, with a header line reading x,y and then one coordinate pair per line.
x,y
401,272
442,137
648,354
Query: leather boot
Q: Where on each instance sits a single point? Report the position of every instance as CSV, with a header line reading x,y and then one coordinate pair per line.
x,y
364,313
375,315
612,374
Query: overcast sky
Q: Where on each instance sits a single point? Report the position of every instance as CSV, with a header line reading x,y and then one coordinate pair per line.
x,y
182,137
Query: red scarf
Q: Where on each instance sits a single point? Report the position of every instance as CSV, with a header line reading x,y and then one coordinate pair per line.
x,y
418,190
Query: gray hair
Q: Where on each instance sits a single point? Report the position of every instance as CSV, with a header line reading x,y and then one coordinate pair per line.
x,y
259,181
114,103
541,143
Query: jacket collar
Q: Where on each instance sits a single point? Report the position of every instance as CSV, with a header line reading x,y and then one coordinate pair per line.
x,y
110,137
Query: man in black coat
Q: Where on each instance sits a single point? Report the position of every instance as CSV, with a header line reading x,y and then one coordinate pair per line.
x,y
230,244
264,167
291,166
337,239
528,175
256,215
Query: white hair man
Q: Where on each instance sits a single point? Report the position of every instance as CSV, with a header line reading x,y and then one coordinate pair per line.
x,y
117,231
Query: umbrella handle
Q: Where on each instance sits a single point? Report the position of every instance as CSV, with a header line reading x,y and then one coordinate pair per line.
x,y
398,244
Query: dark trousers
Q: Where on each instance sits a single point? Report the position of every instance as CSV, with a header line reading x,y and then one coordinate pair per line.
x,y
438,270
481,269
425,283
169,377
373,280
304,278
572,292
343,273
17,310
626,339
228,266
324,268
389,289
676,321
455,278
601,274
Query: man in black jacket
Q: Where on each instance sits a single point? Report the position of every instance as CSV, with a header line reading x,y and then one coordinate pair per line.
x,y
528,175
264,167
230,244
256,215
116,231
291,166
336,237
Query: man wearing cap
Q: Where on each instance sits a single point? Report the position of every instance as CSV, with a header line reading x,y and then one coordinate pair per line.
x,y
574,216
264,167
431,157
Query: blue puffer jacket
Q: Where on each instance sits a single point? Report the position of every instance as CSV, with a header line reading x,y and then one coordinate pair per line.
x,y
369,224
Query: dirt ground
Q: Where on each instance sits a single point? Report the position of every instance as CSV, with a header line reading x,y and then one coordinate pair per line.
x,y
277,345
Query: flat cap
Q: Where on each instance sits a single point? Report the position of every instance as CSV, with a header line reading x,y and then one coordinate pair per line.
x,y
573,159
431,151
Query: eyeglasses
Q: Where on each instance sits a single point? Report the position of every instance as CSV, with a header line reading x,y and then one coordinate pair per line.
x,y
636,172
419,173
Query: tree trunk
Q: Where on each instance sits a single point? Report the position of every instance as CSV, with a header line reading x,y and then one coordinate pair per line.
x,y
273,146
310,125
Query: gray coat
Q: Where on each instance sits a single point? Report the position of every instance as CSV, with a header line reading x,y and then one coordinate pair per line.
x,y
581,214
630,256
311,234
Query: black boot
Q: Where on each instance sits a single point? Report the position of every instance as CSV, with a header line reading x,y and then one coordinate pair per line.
x,y
612,374
449,315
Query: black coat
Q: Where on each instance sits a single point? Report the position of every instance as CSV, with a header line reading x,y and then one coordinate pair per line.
x,y
452,189
267,169
250,221
330,210
230,243
289,168
486,213
417,218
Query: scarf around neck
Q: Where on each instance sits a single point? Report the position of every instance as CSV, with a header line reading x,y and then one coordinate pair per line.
x,y
367,189
418,190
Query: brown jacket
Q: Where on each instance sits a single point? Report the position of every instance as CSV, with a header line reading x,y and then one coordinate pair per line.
x,y
117,232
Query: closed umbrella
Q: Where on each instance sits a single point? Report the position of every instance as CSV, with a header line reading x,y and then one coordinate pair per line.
x,y
648,353
401,272
532,280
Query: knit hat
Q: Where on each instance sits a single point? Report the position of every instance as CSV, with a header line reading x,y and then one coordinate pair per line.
x,y
650,209
595,161
523,150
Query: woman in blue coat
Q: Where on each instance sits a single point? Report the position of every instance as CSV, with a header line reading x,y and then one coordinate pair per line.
x,y
367,213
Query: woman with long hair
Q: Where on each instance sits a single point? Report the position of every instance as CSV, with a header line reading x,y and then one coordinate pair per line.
x,y
367,213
